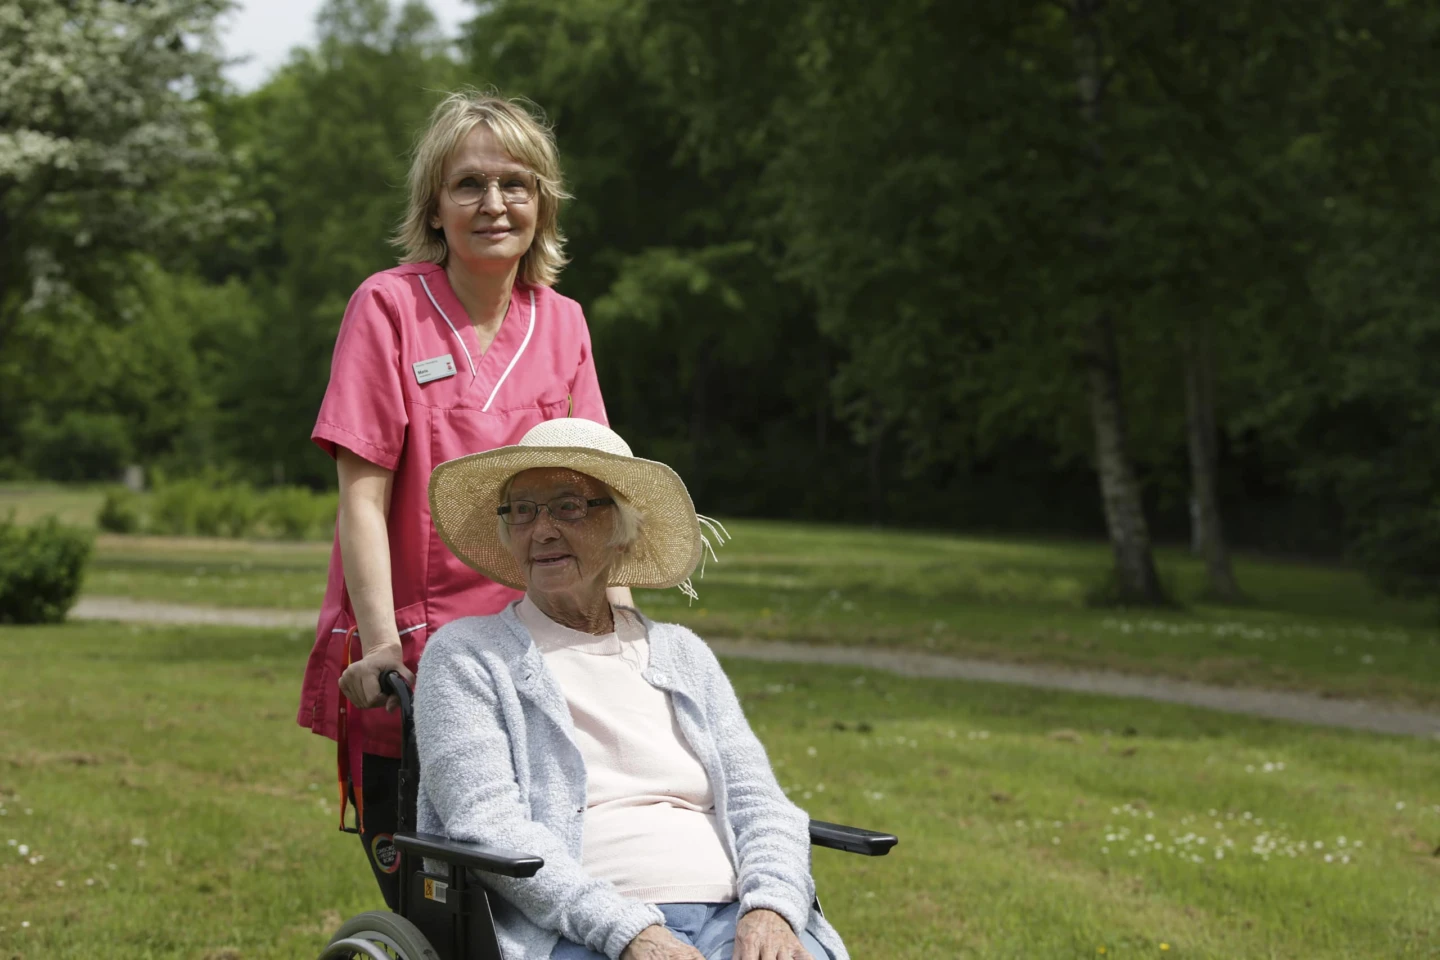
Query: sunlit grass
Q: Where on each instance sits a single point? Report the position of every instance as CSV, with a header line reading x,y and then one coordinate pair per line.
x,y
75,504
165,766
226,573
1306,626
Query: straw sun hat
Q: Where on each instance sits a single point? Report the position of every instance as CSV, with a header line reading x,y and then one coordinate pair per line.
x,y
465,492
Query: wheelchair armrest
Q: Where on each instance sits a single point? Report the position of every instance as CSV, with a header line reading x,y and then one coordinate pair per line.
x,y
506,863
837,836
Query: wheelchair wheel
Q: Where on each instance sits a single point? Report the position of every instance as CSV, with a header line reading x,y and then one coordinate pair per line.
x,y
379,935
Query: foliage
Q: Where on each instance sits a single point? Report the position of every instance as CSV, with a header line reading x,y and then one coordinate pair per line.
x,y
79,446
105,147
41,566
165,355
839,258
709,358
215,505
202,506
324,147
120,513
298,513
960,220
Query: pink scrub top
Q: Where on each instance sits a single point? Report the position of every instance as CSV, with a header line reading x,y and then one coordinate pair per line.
x,y
404,326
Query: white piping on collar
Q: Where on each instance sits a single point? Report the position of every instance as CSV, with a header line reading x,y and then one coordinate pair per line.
x,y
459,339
523,344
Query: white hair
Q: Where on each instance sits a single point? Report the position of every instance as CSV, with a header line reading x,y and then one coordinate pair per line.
x,y
628,518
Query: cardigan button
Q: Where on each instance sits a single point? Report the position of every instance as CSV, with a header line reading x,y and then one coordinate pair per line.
x,y
658,676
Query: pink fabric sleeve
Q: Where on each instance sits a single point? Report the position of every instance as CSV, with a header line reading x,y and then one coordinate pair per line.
x,y
585,399
364,405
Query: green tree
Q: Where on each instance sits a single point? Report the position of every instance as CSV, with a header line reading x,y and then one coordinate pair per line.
x,y
949,202
1001,208
105,148
325,146
135,385
709,357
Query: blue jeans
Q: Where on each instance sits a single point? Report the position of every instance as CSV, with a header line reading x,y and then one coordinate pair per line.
x,y
708,927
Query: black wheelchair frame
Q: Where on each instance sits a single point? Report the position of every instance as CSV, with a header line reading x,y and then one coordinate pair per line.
x,y
447,916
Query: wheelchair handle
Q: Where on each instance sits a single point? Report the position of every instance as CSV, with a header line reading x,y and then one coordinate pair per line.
x,y
392,683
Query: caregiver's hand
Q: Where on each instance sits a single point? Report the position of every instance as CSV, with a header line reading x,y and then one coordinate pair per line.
x,y
361,680
657,943
765,935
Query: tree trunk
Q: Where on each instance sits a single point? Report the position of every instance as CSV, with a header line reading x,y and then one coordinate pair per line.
x,y
1136,581
1202,435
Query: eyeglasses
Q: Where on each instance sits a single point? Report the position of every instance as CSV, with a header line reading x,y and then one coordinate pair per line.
x,y
569,509
468,189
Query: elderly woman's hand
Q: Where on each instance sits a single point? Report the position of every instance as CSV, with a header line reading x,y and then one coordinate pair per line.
x,y
657,943
765,935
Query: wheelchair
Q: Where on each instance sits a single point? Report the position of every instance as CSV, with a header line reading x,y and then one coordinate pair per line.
x,y
446,915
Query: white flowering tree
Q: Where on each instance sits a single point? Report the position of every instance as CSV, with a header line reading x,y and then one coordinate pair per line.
x,y
105,148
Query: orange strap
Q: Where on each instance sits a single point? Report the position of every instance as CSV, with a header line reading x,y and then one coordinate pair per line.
x,y
342,743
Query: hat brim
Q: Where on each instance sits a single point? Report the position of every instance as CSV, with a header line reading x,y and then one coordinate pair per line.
x,y
465,492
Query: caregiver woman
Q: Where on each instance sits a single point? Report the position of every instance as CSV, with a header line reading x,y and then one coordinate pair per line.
x,y
461,349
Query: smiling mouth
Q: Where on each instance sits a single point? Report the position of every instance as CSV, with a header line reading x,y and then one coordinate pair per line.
x,y
550,561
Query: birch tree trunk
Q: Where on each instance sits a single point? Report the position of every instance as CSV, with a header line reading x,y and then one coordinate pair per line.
x,y
1135,578
1201,433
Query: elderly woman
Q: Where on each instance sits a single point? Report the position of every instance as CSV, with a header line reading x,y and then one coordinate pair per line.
x,y
461,348
580,731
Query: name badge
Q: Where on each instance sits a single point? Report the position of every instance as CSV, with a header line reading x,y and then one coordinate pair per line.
x,y
436,368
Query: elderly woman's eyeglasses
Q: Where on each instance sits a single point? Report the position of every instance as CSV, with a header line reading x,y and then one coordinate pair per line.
x,y
569,509
468,189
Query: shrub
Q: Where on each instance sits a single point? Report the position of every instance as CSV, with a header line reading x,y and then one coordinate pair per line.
x,y
231,511
121,512
175,507
78,446
297,513
204,506
1399,548
40,570
13,468
212,506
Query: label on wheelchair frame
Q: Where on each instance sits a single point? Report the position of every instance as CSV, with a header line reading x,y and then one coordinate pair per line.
x,y
387,856
435,890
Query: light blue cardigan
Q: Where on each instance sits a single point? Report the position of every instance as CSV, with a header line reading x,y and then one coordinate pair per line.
x,y
499,766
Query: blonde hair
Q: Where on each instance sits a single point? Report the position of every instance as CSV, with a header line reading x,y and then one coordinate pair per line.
x,y
521,130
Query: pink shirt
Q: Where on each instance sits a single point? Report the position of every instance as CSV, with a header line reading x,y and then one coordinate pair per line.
x,y
650,827
539,367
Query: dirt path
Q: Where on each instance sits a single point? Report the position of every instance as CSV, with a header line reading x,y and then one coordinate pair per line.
x,y
1278,705
145,611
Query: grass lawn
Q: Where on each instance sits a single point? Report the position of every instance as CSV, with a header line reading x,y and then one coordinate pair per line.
x,y
75,504
202,570
168,806
1307,626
